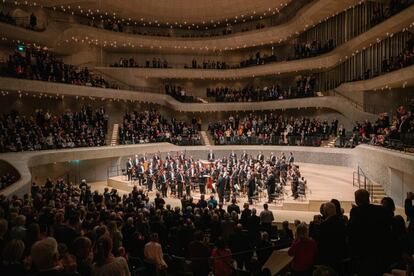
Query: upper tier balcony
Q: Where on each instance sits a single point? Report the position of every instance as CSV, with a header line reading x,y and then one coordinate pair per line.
x,y
403,21
67,37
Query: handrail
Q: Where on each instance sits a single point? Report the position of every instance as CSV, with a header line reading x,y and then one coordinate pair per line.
x,y
363,182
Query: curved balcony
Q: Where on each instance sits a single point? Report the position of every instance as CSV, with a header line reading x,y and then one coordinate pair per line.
x,y
336,103
65,38
392,25
164,11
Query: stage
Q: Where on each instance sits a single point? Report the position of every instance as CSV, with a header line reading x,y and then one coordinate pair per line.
x,y
324,182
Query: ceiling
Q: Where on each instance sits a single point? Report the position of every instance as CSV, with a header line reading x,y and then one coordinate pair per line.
x,y
172,11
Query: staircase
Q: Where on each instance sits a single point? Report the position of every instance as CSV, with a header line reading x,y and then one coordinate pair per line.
x,y
330,143
378,193
114,137
204,137
375,190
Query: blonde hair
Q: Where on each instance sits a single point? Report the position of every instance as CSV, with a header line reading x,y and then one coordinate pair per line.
x,y
302,231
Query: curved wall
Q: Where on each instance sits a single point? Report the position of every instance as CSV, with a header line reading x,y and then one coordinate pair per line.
x,y
58,35
394,170
54,89
325,61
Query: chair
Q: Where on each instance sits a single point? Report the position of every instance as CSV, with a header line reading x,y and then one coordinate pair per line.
x,y
124,174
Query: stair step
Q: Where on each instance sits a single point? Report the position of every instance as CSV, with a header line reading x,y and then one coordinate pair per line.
x,y
204,136
114,137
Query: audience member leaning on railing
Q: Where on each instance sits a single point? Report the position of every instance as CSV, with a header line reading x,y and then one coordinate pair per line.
x,y
395,133
37,64
270,129
151,127
305,87
45,130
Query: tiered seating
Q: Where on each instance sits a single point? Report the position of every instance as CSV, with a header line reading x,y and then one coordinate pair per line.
x,y
45,130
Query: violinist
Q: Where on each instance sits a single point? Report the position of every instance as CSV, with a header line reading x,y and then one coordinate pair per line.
x,y
129,167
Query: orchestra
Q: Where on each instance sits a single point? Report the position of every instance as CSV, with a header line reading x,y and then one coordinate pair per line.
x,y
230,177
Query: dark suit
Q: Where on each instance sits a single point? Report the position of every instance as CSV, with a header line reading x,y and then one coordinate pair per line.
x,y
369,238
332,241
221,183
271,186
211,157
164,183
199,255
233,207
128,170
180,184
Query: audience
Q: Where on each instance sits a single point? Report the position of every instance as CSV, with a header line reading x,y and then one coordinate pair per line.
x,y
6,179
150,127
179,93
45,130
269,129
386,132
29,22
305,87
38,64
153,233
303,251
312,49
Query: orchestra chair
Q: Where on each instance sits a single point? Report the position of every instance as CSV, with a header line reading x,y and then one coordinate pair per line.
x,y
124,174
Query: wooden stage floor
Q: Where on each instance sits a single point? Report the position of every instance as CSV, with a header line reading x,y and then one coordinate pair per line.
x,y
324,182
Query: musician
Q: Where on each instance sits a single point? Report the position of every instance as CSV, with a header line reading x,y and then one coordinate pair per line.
x,y
211,156
164,183
129,166
193,175
180,183
221,184
271,186
260,157
295,185
173,180
188,183
244,156
136,160
291,159
233,157
140,173
181,157
202,182
150,177
273,158
251,185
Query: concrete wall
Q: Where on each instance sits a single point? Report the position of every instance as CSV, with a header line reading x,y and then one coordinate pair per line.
x,y
393,170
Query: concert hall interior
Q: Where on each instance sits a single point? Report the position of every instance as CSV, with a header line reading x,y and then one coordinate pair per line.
x,y
220,137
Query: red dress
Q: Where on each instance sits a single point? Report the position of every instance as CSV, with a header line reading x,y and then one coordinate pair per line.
x,y
223,263
303,253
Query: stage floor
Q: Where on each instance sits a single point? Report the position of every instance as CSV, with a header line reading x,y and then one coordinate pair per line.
x,y
324,182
